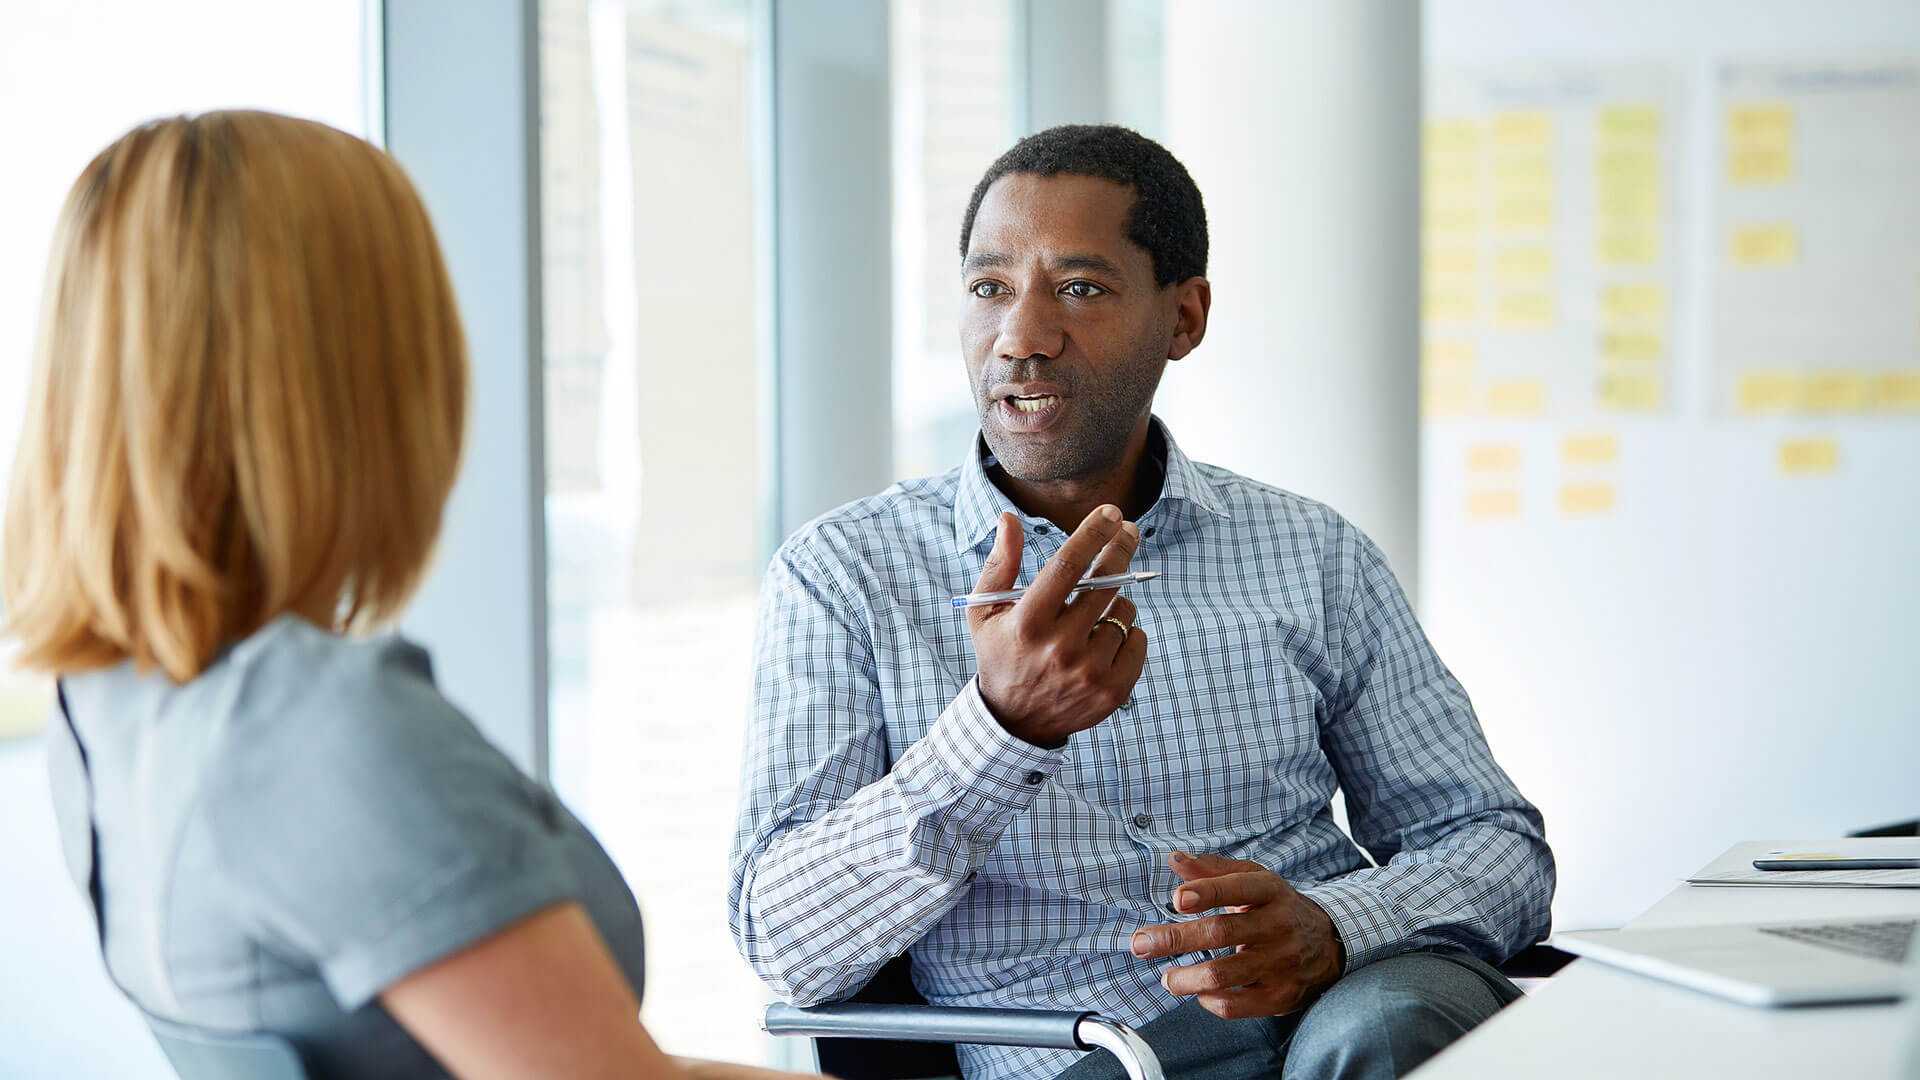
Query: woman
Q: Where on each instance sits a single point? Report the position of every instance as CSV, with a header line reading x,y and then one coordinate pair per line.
x,y
246,415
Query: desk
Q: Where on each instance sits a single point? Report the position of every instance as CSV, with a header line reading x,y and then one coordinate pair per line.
x,y
1595,1021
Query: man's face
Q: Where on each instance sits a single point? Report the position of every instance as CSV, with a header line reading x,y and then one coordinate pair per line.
x,y
1065,333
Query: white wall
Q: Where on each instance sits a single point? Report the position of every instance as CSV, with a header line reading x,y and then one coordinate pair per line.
x,y
1728,654
1299,121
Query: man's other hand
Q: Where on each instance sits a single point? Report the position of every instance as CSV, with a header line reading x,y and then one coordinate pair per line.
x,y
1286,950
1053,664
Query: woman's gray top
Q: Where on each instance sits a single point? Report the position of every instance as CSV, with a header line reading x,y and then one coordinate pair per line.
x,y
299,827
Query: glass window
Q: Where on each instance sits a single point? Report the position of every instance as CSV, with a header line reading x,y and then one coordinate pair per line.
x,y
76,75
952,115
653,470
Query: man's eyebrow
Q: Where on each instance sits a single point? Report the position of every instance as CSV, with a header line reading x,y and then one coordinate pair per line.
x,y
1097,263
979,260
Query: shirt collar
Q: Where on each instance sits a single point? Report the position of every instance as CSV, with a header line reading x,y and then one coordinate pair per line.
x,y
978,503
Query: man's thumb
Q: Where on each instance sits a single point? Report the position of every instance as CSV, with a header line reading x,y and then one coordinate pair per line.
x,y
1003,562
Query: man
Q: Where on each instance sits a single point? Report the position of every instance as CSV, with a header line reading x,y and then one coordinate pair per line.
x,y
1048,812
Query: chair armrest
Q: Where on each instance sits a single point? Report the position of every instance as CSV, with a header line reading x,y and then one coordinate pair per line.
x,y
980,1027
928,1023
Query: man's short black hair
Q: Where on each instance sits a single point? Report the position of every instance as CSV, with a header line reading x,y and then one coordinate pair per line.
x,y
1168,219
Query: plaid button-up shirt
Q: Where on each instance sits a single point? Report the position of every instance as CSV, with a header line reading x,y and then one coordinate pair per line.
x,y
884,808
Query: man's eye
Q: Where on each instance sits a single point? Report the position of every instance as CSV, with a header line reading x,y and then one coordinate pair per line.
x,y
1083,289
985,289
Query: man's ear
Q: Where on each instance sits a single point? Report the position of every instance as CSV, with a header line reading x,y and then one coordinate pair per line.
x,y
1194,297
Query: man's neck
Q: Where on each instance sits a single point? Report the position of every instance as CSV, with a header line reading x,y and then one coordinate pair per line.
x,y
1132,484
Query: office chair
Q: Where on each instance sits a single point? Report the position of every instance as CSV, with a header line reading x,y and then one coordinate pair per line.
x,y
199,1054
888,1032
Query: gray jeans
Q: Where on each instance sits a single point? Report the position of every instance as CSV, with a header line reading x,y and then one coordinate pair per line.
x,y
1377,1023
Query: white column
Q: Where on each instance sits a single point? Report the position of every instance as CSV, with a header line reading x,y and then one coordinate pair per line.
x,y
1300,122
831,330
462,117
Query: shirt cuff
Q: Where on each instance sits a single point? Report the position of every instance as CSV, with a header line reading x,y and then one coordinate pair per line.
x,y
1361,917
985,759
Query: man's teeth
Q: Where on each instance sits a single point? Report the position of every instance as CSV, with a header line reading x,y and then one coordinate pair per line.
x,y
1033,404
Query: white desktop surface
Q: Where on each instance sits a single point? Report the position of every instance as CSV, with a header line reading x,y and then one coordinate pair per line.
x,y
1591,1020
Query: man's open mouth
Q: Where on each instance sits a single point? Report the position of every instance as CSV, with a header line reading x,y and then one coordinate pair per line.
x,y
1034,403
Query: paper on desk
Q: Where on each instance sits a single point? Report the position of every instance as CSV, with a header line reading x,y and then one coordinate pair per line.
x,y
1736,868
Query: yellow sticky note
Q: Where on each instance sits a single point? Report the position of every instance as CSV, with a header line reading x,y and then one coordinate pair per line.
x,y
1763,245
1523,176
1493,457
1767,391
1758,165
1520,213
1897,391
1748,125
1586,498
1631,348
1632,303
1520,130
1633,166
1453,136
1629,123
1443,218
1450,305
1525,264
1809,456
1524,311
1493,504
1630,393
1445,398
1628,247
1448,356
1450,183
1626,204
1450,262
1835,392
1590,449
1516,397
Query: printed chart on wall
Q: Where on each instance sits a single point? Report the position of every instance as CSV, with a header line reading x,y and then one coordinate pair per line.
x,y
1816,278
1552,218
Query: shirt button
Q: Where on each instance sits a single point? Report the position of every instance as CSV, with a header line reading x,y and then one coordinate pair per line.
x,y
971,874
1148,531
1171,910
1036,777
1042,530
1141,821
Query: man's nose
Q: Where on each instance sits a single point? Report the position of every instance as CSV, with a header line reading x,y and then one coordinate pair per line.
x,y
1030,327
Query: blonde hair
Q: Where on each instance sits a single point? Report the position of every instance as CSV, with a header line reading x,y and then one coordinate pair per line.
x,y
248,397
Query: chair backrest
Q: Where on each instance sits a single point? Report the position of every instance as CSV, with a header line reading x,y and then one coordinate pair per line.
x,y
198,1054
872,1059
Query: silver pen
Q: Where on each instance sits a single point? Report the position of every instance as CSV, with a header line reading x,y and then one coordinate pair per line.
x,y
1008,596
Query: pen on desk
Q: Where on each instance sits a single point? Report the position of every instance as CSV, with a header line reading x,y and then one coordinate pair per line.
x,y
1008,596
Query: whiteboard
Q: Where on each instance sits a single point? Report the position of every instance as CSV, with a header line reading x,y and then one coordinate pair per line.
x,y
1684,623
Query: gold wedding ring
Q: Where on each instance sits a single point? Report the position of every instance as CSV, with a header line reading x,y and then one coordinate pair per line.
x,y
1125,630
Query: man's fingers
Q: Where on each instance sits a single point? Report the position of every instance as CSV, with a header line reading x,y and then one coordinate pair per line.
x,y
1105,635
1200,935
1244,889
1224,973
1260,999
1050,587
1192,867
1089,607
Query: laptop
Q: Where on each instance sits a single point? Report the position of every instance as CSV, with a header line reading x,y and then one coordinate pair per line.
x,y
1801,963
